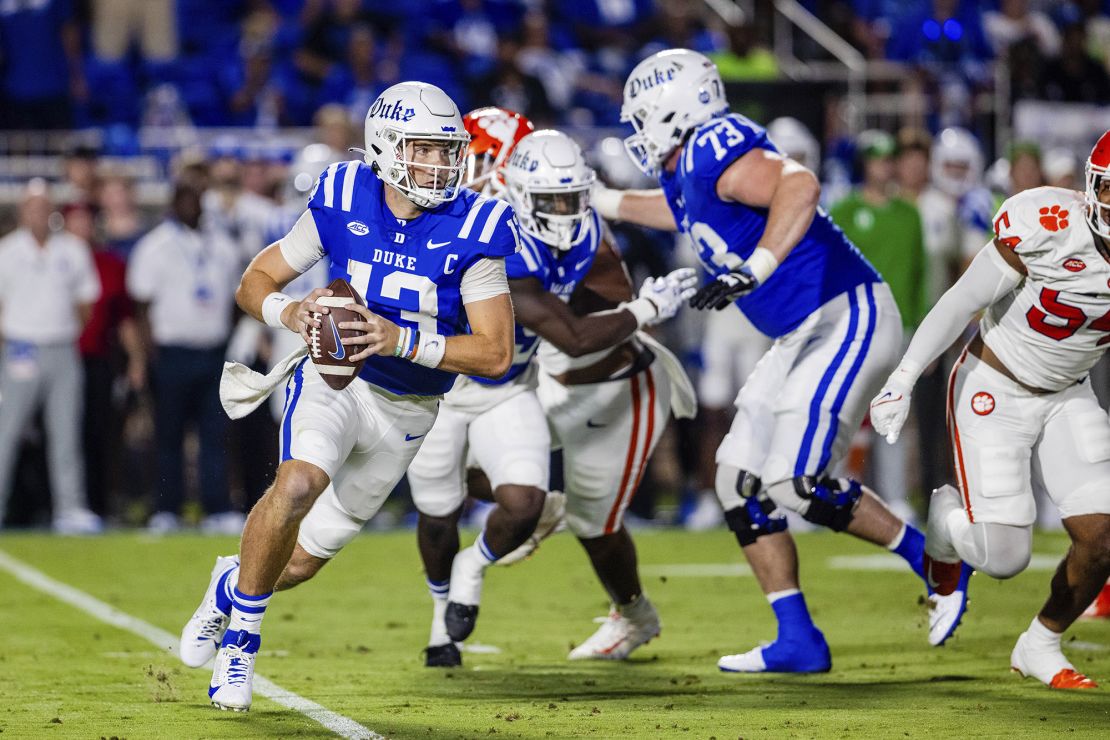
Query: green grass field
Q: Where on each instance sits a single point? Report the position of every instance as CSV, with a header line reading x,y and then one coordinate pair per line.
x,y
351,641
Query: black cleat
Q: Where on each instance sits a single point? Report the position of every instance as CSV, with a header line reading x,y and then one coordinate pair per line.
x,y
460,619
442,656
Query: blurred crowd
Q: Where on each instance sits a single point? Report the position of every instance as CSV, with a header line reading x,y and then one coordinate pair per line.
x,y
265,63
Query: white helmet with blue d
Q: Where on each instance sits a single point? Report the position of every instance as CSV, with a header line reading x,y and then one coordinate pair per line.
x,y
548,185
667,96
416,141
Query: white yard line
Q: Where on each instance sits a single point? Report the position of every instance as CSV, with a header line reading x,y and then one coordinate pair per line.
x,y
337,723
889,561
695,570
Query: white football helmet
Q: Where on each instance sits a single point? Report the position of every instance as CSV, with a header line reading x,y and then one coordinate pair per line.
x,y
795,141
548,185
416,112
956,162
667,96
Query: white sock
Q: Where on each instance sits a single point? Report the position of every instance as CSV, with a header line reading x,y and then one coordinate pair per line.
x,y
893,544
776,595
638,609
963,540
438,591
1041,638
247,612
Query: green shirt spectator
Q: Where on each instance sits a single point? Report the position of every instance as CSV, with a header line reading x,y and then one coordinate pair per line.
x,y
887,229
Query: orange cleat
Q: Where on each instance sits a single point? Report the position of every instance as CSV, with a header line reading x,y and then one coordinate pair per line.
x,y
1071,679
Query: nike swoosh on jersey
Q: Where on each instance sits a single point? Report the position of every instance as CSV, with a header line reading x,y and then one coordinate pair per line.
x,y
411,437
338,342
579,265
437,245
590,423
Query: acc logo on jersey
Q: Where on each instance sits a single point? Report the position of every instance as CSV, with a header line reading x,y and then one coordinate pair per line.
x,y
1054,219
982,403
1075,264
358,228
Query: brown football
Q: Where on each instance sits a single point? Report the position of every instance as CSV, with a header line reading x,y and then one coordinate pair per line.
x,y
332,358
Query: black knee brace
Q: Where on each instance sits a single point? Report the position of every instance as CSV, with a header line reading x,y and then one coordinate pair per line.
x,y
832,501
757,516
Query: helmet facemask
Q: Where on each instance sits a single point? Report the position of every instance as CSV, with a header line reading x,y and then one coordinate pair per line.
x,y
557,217
427,167
1098,212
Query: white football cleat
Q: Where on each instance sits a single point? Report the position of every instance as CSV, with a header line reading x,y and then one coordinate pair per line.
x,y
1050,667
202,634
552,519
621,633
749,662
946,612
77,522
233,674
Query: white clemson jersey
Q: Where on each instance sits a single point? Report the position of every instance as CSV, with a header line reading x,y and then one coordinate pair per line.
x,y
1055,325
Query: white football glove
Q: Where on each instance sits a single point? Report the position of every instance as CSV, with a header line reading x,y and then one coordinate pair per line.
x,y
891,407
660,298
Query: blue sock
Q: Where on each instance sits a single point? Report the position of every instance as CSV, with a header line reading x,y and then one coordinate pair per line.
x,y
791,612
224,588
910,546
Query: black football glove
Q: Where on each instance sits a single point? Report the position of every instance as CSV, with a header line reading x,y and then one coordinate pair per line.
x,y
724,290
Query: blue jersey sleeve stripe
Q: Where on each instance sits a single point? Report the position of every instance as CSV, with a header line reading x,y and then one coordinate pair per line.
x,y
491,221
471,217
529,259
350,170
329,185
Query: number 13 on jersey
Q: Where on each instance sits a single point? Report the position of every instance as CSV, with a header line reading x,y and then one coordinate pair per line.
x,y
392,283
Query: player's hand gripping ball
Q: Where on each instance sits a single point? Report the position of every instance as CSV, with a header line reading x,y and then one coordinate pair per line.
x,y
326,311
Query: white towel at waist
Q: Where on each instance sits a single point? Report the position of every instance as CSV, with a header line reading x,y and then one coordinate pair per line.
x,y
684,402
242,390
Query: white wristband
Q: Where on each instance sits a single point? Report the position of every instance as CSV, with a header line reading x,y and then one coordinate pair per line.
x,y
643,309
904,377
272,307
607,202
761,264
431,349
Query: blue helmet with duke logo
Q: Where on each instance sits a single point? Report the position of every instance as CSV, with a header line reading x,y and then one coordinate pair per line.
x,y
409,112
667,96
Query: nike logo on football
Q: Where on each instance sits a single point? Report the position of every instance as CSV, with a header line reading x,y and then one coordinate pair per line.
x,y
437,245
411,437
341,351
590,423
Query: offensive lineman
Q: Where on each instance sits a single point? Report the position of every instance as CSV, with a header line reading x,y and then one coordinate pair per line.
x,y
1020,404
502,422
753,218
428,257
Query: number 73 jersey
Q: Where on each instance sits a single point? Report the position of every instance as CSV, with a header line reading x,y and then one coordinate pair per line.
x,y
1055,325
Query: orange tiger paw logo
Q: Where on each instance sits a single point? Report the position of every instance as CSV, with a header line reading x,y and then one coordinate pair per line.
x,y
1054,218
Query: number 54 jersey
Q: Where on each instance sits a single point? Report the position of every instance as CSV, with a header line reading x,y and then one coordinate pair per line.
x,y
1055,325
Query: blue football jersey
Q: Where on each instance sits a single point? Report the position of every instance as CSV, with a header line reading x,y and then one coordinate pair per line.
x,y
823,265
558,272
409,272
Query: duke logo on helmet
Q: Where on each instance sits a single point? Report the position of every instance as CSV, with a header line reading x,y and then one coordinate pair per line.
x,y
667,96
411,112
548,185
